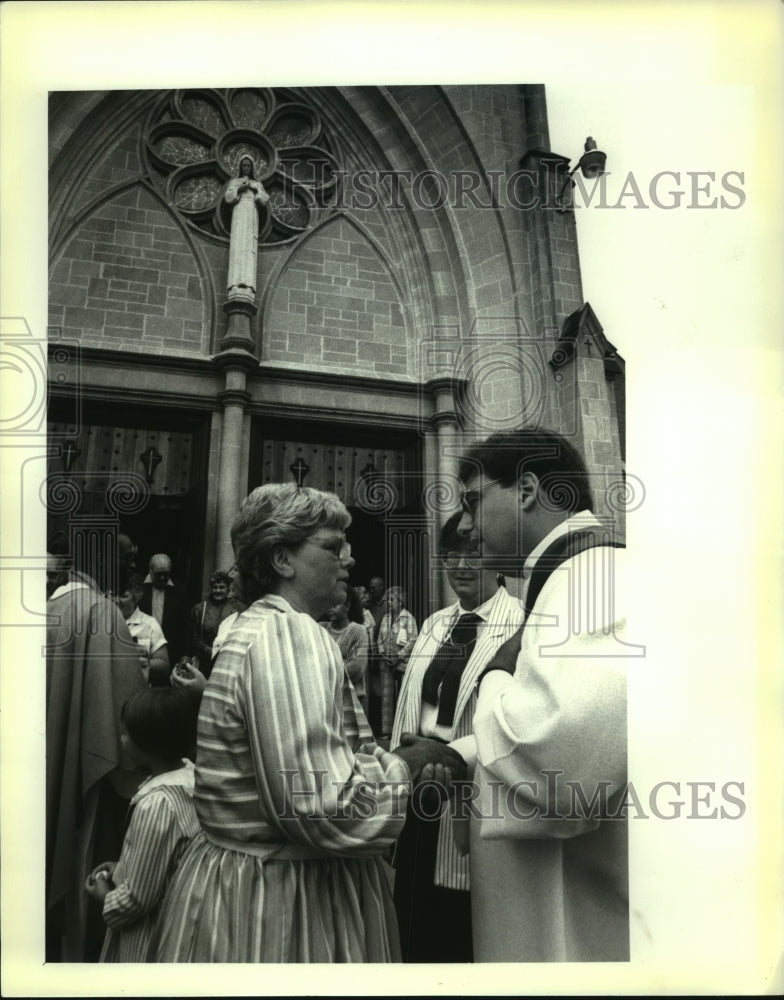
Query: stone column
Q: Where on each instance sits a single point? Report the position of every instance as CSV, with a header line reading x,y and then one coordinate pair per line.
x,y
445,422
231,475
444,493
237,359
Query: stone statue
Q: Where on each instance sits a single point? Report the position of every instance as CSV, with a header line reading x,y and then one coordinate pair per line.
x,y
246,194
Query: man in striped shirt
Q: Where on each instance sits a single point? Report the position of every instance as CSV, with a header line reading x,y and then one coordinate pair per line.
x,y
437,700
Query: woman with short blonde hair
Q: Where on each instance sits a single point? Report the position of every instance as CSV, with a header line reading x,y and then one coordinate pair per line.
x,y
288,867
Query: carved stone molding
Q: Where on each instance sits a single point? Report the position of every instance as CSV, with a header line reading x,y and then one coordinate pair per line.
x,y
234,397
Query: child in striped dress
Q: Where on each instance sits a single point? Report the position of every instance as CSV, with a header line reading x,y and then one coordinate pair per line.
x,y
159,731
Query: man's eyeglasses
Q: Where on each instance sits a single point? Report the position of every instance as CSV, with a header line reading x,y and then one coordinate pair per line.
x,y
452,559
469,499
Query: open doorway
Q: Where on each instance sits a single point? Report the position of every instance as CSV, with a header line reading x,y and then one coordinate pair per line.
x,y
389,540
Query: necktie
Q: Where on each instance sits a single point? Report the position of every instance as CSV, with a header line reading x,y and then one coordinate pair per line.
x,y
447,666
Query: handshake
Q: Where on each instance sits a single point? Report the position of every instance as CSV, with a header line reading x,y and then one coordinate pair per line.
x,y
434,767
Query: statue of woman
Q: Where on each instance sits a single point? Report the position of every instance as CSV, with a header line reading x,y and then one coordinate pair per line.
x,y
246,194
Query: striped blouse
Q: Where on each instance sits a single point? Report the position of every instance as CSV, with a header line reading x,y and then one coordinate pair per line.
x,y
162,824
289,867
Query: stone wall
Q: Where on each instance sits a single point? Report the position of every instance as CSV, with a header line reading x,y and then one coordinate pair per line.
x,y
127,279
336,306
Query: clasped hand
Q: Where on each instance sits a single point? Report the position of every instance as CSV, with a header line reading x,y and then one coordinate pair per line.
x,y
99,882
431,761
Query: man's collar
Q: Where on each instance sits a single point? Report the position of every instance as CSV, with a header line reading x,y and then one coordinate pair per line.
x,y
148,579
583,519
484,610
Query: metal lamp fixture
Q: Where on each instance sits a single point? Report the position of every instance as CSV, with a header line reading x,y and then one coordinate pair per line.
x,y
591,164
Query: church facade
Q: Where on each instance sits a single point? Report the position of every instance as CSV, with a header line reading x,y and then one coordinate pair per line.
x,y
407,282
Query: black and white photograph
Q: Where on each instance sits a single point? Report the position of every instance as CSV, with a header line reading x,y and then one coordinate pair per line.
x,y
391,449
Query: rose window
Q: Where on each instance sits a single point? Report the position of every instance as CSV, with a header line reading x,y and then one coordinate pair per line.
x,y
195,141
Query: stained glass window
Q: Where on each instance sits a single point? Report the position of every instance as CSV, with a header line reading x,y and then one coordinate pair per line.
x,y
207,133
196,194
178,149
204,114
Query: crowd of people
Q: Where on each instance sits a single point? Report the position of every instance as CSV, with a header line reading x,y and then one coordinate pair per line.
x,y
293,770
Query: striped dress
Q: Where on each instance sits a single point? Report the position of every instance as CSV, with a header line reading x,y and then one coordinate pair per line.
x,y
163,822
288,866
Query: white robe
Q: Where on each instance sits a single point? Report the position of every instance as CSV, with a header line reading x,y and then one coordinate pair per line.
x,y
547,888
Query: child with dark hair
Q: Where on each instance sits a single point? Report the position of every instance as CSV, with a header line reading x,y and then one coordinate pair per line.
x,y
158,732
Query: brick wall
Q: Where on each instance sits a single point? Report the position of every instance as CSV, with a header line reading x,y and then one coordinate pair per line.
x,y
336,307
120,164
128,280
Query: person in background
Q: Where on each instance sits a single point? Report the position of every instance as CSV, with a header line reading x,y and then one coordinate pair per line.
x,y
127,550
344,625
367,618
190,672
396,637
159,732
376,599
437,700
374,684
206,618
235,596
92,668
145,632
165,603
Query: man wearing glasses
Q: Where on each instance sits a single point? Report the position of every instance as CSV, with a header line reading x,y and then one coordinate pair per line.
x,y
437,700
549,867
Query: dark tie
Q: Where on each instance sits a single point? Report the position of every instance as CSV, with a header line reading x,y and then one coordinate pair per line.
x,y
447,666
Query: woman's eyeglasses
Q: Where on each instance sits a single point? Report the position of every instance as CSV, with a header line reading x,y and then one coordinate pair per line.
x,y
340,549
